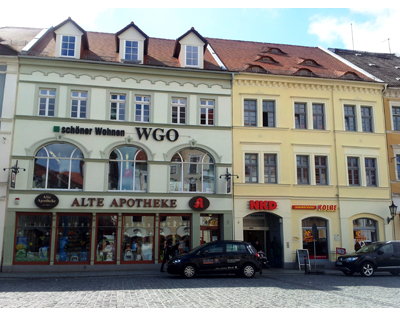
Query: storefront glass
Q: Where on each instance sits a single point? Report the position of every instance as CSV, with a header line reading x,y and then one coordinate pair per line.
x,y
128,169
192,170
365,232
58,166
106,238
176,227
321,242
209,228
138,239
73,239
32,240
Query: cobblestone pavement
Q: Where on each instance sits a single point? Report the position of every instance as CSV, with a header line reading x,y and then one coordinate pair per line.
x,y
156,290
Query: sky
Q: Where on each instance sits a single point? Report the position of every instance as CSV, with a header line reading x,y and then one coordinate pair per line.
x,y
362,28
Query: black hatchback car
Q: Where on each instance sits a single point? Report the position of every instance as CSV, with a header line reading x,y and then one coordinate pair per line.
x,y
377,256
221,256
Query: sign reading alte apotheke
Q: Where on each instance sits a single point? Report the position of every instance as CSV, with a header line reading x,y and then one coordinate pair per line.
x,y
99,202
158,133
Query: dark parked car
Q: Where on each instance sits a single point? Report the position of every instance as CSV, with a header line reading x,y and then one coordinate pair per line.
x,y
377,256
217,257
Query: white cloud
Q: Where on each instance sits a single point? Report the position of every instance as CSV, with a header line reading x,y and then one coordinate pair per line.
x,y
372,35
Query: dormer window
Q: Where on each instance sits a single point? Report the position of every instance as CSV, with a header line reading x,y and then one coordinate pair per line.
x,y
71,39
68,46
131,44
305,72
350,75
266,59
190,49
273,50
192,56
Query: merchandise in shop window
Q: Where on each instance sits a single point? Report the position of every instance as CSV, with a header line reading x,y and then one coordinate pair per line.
x,y
32,240
106,232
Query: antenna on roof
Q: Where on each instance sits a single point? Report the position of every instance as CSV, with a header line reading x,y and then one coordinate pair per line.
x,y
388,44
352,39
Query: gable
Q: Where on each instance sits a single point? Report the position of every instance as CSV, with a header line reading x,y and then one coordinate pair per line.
x,y
131,34
191,40
68,29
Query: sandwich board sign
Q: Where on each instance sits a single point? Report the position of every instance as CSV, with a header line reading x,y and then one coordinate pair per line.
x,y
300,254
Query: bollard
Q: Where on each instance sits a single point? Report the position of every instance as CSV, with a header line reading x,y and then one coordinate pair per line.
x,y
305,265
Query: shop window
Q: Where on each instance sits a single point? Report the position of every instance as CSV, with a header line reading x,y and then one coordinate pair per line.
x,y
178,228
73,239
321,242
209,228
194,172
128,169
137,239
365,232
106,238
58,166
32,240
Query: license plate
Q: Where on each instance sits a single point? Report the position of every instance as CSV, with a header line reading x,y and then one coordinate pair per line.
x,y
338,263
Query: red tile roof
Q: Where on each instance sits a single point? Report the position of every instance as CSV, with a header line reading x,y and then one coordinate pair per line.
x,y
235,55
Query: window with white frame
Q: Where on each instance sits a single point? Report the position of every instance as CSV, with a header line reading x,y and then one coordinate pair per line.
x,y
68,46
398,166
366,117
47,102
78,104
250,112
350,117
118,102
179,110
303,169
370,171
300,115
270,167
396,118
142,109
321,170
268,113
353,170
192,56
131,50
207,112
251,168
318,116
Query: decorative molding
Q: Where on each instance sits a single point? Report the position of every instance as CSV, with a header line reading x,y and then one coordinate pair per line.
x,y
392,93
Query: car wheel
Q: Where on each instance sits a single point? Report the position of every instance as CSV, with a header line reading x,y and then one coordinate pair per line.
x,y
188,271
248,270
394,273
367,269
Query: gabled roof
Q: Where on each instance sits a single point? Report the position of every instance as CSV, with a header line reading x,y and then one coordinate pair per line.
x,y
146,41
177,48
236,55
84,36
380,65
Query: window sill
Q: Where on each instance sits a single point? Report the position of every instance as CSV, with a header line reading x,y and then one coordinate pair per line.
x,y
314,185
311,130
43,189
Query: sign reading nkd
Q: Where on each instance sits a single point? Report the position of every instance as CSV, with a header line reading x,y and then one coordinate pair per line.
x,y
263,205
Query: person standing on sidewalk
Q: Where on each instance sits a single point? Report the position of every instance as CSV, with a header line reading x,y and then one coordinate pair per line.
x,y
277,252
167,253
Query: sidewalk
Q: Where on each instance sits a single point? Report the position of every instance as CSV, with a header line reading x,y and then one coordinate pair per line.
x,y
141,272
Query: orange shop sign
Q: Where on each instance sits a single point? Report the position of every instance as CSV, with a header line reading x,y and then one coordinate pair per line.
x,y
304,207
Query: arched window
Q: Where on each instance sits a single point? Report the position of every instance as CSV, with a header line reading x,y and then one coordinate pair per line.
x,y
365,232
128,169
58,166
192,170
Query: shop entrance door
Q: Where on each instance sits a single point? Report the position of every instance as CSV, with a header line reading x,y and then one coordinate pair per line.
x,y
260,235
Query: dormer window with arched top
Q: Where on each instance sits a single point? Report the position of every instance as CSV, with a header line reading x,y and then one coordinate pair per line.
x,y
350,75
266,59
256,69
309,62
273,50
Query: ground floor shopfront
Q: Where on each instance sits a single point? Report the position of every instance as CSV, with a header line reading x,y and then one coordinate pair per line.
x,y
339,224
108,232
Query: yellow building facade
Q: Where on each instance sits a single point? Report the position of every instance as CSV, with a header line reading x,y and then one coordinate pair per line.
x,y
300,164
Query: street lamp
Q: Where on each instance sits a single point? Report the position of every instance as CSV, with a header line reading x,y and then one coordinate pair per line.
x,y
393,211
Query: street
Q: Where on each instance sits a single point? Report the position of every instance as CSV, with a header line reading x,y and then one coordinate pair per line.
x,y
151,289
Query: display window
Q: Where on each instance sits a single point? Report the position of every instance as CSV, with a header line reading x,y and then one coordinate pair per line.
x,y
106,241
209,228
73,239
365,232
321,241
178,228
137,238
32,238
